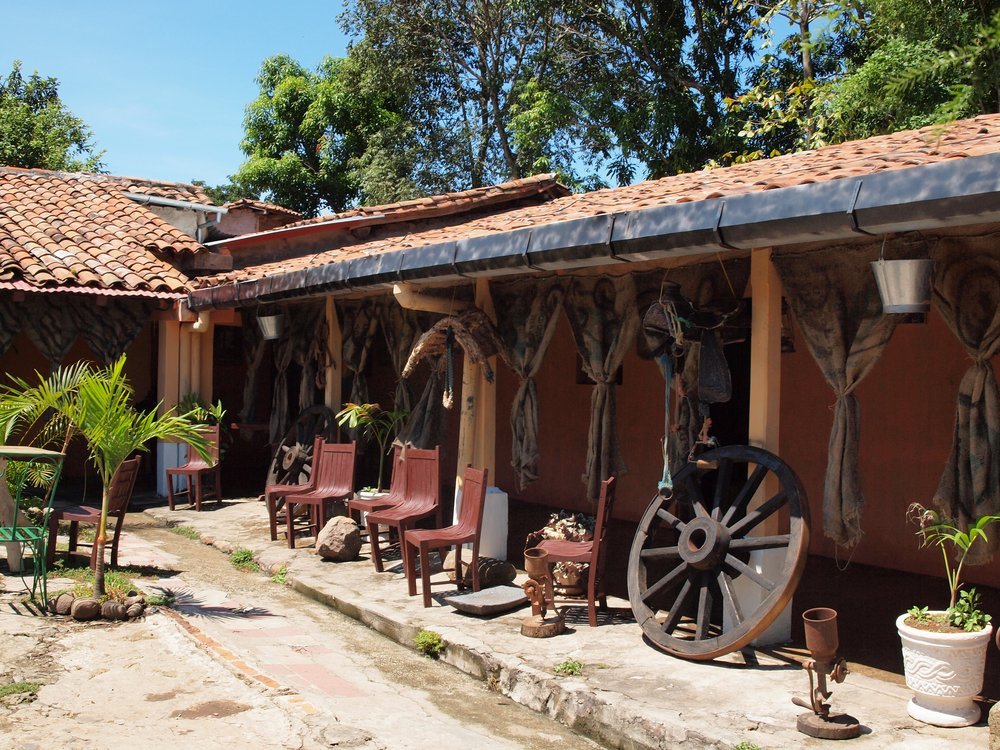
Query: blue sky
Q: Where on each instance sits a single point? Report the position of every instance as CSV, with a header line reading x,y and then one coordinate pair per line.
x,y
163,86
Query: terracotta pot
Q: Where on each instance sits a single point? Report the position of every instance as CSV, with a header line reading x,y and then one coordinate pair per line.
x,y
945,671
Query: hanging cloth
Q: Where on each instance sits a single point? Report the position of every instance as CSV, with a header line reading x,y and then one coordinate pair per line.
x,y
360,325
11,321
967,294
284,351
603,318
52,325
401,329
253,357
530,313
422,428
833,295
110,330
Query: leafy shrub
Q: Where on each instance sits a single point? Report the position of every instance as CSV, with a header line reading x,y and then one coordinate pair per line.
x,y
429,643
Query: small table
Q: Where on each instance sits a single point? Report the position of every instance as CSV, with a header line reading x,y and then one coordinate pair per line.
x,y
22,523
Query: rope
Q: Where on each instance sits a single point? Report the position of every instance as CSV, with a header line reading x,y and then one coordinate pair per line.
x,y
666,484
449,388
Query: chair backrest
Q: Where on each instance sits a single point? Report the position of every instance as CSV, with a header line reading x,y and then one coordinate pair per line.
x,y
397,485
211,434
334,470
470,514
607,499
423,476
122,485
12,507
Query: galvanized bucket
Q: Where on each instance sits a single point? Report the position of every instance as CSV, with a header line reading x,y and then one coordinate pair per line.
x,y
904,285
271,326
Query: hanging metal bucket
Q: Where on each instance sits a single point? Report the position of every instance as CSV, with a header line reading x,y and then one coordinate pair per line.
x,y
904,285
271,326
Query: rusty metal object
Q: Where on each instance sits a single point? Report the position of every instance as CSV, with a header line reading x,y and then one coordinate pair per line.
x,y
690,547
539,591
823,643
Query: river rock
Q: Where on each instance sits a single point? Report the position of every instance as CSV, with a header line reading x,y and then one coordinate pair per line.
x,y
340,539
85,609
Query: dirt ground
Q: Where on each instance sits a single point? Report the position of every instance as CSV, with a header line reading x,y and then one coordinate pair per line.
x,y
241,661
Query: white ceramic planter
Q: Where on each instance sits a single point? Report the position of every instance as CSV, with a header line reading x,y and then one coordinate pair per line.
x,y
945,671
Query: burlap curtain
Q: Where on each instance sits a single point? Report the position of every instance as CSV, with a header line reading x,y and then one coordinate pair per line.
x,y
310,352
967,293
53,326
111,329
11,322
359,325
401,328
833,295
284,350
254,348
529,312
423,427
602,315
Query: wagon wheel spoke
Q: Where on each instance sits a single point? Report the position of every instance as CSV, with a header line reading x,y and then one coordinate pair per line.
x,y
729,601
681,573
739,506
755,517
741,567
721,485
675,611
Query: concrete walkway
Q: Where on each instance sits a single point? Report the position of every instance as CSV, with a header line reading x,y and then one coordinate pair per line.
x,y
630,695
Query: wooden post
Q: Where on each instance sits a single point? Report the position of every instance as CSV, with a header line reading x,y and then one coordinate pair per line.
x,y
207,375
332,395
765,402
168,393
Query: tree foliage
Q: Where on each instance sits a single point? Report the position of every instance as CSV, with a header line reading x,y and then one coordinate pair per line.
x,y
37,131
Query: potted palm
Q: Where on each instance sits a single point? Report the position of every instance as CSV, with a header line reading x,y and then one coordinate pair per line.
x,y
95,403
375,423
944,651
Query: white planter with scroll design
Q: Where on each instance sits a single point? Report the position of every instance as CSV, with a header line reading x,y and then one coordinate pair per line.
x,y
945,671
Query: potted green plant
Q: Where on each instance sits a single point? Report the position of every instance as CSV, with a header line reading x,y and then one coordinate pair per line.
x,y
375,423
95,403
944,651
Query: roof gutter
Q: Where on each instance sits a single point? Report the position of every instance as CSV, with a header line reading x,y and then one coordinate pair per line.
x,y
951,193
257,238
156,200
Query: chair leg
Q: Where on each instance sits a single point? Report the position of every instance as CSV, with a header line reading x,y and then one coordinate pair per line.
x,y
170,490
218,484
289,522
50,548
74,535
272,516
410,568
197,490
459,578
592,599
115,539
425,575
373,541
475,565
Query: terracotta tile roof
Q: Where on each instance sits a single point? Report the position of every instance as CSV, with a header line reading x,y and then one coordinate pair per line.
x,y
451,203
261,206
179,191
79,230
973,137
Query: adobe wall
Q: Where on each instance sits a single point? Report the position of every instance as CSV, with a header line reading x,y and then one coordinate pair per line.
x,y
907,406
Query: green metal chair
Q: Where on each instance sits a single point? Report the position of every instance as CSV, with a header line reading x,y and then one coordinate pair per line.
x,y
22,522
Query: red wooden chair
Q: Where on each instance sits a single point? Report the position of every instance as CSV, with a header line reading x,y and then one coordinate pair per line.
x,y
334,480
197,472
120,492
466,531
397,488
422,499
593,552
274,494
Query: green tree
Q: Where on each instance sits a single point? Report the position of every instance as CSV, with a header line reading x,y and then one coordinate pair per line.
x,y
37,131
95,403
226,192
302,133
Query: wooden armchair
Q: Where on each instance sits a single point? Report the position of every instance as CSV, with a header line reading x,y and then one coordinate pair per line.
x,y
593,552
197,473
334,480
120,493
274,494
422,499
466,531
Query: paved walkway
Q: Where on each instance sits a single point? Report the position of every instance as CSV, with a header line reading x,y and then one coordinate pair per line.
x,y
630,695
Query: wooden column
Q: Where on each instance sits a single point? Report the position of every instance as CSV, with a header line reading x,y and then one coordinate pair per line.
x,y
765,402
168,385
332,395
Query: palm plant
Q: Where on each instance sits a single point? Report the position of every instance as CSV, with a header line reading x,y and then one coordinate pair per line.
x,y
94,403
375,423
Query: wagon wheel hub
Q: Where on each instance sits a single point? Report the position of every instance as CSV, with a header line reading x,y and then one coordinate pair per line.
x,y
704,543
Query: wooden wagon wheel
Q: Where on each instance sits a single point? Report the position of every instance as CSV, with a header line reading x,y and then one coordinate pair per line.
x,y
292,460
690,549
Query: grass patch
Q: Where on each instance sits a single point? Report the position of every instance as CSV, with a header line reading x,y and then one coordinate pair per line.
x,y
117,583
747,746
14,688
188,532
279,575
242,559
161,600
429,643
569,668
